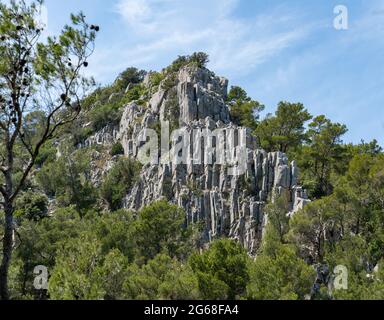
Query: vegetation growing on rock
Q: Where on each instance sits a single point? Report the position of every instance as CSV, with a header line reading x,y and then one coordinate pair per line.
x,y
107,227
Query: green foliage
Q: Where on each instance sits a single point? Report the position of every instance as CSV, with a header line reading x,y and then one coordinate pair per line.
x,y
160,227
105,105
221,270
113,274
286,130
129,76
41,87
61,238
237,94
81,134
199,59
161,278
119,181
117,149
31,205
47,153
101,116
152,254
372,148
93,258
176,65
364,287
244,111
156,78
115,232
322,156
310,227
277,273
76,272
68,179
347,228
277,214
40,240
359,195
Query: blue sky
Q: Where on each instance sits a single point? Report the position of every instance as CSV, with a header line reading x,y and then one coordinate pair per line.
x,y
277,50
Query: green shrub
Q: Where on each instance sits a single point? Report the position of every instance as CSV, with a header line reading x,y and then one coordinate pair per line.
x,y
108,114
117,149
156,78
160,227
222,271
129,76
119,181
68,179
200,59
32,206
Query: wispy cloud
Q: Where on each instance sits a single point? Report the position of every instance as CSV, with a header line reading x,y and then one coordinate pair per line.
x,y
276,50
338,75
160,29
134,11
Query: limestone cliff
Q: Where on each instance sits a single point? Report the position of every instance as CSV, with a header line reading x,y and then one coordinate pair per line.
x,y
226,205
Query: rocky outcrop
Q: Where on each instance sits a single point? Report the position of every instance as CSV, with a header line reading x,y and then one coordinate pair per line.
x,y
200,95
105,137
226,204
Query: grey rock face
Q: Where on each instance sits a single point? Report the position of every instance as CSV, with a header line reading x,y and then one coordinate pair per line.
x,y
201,95
105,137
227,205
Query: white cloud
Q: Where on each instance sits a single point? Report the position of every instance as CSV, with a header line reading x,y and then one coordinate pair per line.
x,y
134,11
312,62
159,30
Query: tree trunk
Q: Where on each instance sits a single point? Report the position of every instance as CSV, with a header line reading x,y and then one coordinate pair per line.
x,y
7,251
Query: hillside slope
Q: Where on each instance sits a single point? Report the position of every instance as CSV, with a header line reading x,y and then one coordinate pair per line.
x,y
194,100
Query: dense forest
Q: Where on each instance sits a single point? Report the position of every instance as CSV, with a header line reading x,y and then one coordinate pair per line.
x,y
54,215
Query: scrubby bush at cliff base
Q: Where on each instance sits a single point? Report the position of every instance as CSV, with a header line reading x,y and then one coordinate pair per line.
x,y
161,227
221,271
278,273
108,114
121,256
100,256
151,255
119,181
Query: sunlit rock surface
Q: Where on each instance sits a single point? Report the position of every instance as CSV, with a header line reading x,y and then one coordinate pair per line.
x,y
225,204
